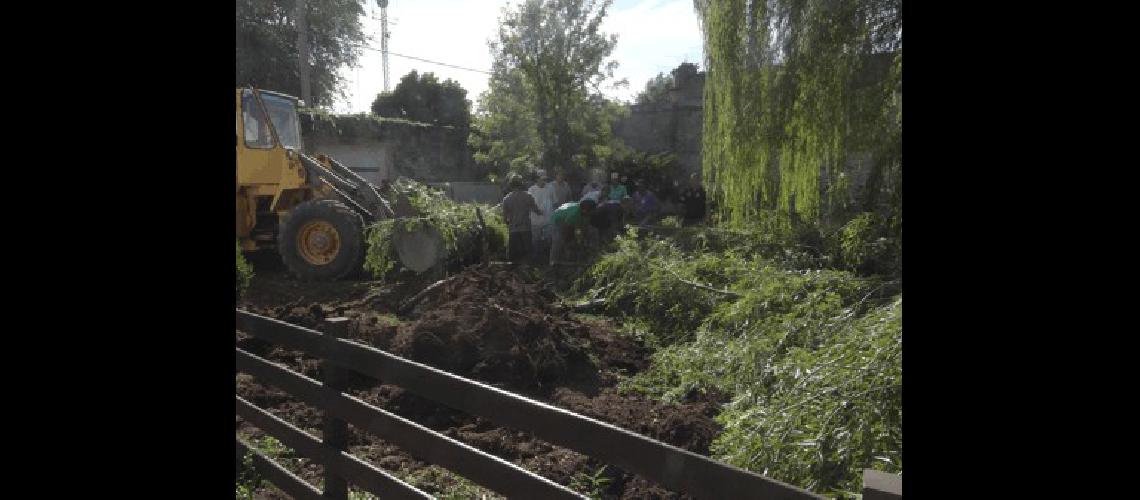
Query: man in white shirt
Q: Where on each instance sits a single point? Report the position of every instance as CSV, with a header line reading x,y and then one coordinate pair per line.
x,y
543,194
561,189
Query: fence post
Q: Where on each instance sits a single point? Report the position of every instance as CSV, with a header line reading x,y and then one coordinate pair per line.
x,y
881,486
335,431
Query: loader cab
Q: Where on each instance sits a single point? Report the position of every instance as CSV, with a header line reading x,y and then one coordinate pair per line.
x,y
268,138
270,177
282,112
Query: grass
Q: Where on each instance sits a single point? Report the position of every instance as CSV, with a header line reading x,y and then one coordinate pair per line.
x,y
249,481
444,484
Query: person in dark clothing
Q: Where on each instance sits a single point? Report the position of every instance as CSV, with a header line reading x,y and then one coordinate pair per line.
x,y
607,219
669,192
645,204
693,198
517,206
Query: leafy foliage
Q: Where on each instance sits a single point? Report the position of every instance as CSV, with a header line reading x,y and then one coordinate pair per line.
x,y
505,133
544,106
673,221
637,281
825,413
657,169
657,89
810,359
249,482
592,485
244,273
458,223
866,245
267,45
794,89
423,98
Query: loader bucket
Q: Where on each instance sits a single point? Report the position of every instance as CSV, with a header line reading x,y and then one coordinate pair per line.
x,y
419,249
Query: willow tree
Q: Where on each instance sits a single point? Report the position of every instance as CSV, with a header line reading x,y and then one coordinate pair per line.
x,y
796,91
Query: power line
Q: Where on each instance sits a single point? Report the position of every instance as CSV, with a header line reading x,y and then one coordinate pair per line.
x,y
441,64
369,47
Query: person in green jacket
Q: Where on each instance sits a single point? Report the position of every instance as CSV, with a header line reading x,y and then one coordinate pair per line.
x,y
617,188
564,220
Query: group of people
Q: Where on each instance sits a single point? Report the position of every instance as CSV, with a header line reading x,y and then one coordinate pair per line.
x,y
546,214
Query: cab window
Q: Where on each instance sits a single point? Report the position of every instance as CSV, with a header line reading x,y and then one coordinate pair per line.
x,y
257,133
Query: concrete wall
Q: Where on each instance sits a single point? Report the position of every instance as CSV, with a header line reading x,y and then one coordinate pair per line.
x,y
372,159
386,150
477,192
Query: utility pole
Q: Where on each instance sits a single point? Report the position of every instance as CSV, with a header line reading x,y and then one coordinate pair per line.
x,y
384,38
303,51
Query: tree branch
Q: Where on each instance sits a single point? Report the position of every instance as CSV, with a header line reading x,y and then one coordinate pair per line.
x,y
725,292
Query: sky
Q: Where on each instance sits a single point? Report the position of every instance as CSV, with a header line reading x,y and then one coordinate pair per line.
x,y
654,36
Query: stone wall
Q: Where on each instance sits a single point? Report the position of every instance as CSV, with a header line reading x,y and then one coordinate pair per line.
x,y
673,126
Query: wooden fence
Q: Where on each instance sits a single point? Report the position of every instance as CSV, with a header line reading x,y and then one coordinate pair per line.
x,y
674,468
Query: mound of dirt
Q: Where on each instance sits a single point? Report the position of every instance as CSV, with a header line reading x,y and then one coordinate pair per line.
x,y
503,327
687,426
493,325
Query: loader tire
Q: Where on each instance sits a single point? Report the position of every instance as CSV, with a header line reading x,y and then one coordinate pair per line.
x,y
322,240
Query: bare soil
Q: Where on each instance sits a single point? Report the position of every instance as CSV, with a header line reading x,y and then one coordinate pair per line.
x,y
495,324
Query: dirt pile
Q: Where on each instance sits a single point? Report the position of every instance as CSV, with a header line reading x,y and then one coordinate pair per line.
x,y
503,327
494,325
687,426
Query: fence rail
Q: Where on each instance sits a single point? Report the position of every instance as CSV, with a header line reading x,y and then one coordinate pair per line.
x,y
283,479
672,467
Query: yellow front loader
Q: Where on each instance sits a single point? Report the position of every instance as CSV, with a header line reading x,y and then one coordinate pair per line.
x,y
313,211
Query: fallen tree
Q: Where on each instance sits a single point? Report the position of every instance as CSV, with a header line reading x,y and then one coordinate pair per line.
x,y
808,360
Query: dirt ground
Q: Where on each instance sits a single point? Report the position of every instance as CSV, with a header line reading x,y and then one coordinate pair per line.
x,y
490,323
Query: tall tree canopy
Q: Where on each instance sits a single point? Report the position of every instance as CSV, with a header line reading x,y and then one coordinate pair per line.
x,y
423,98
544,104
267,45
794,89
